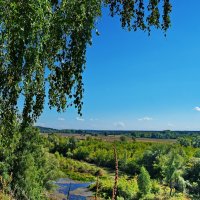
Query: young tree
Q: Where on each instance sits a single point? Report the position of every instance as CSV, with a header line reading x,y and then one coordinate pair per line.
x,y
114,192
172,169
123,138
144,181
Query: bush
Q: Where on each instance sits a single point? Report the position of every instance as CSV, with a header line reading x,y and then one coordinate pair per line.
x,y
144,182
29,163
155,187
123,138
127,189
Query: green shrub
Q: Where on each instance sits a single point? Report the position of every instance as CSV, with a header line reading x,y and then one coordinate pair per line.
x,y
155,187
144,182
127,189
29,163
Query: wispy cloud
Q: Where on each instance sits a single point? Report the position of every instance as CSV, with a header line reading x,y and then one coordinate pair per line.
x,y
61,119
119,124
80,119
197,108
170,124
94,119
145,119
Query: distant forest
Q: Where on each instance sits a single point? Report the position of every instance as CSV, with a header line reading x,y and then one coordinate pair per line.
x,y
165,134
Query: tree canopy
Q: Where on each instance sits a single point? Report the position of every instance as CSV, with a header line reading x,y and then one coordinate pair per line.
x,y
43,47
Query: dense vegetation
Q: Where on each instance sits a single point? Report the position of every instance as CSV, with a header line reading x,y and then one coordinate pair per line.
x,y
147,170
43,47
37,36
26,166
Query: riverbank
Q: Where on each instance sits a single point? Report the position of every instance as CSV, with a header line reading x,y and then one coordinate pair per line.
x,y
72,190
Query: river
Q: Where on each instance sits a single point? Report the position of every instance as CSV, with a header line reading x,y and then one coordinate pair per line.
x,y
73,189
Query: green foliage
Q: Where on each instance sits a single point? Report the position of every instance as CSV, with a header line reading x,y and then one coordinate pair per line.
x,y
150,159
77,170
123,138
172,169
9,140
193,141
62,145
144,182
32,167
127,188
27,180
28,163
184,141
193,175
155,187
197,154
165,162
38,34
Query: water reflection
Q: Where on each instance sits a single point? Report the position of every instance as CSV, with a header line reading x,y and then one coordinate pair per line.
x,y
68,188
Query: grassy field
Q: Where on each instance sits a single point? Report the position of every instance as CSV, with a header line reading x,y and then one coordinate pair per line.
x,y
112,138
156,140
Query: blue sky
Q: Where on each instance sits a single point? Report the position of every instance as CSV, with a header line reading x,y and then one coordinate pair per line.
x,y
136,82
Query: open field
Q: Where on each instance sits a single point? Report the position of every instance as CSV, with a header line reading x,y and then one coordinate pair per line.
x,y
112,138
156,140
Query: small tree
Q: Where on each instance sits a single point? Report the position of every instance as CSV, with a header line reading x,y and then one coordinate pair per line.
x,y
114,193
123,138
98,174
144,181
172,170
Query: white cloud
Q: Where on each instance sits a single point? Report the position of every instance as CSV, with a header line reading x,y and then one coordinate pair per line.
x,y
170,125
197,108
80,119
61,119
119,124
94,119
145,119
